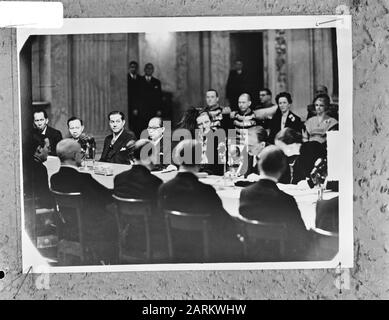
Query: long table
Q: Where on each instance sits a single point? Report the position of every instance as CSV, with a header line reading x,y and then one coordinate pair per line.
x,y
229,194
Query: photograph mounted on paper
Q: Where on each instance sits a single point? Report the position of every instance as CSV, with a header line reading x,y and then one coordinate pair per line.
x,y
157,144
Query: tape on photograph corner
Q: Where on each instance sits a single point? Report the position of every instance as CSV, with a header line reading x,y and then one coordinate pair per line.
x,y
31,14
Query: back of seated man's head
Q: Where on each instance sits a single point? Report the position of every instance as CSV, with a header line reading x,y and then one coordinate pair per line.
x,y
188,154
257,137
69,152
289,136
143,152
272,162
289,141
40,147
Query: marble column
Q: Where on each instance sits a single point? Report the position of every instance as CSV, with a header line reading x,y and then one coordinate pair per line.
x,y
220,62
300,71
45,68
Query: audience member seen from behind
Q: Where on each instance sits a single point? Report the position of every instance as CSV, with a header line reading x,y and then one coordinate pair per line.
x,y
318,125
301,156
116,145
264,201
284,118
99,227
139,182
41,126
187,194
40,186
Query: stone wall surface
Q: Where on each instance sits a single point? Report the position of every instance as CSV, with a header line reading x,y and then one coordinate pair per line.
x,y
369,277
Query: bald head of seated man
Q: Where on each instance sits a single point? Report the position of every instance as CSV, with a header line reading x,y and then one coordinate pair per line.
x,y
99,225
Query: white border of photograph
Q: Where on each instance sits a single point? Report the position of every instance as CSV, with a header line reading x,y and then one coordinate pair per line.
x,y
32,261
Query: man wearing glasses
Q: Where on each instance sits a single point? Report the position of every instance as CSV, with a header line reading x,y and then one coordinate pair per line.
x,y
156,133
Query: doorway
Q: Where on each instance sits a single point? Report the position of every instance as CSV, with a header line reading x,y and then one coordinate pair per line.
x,y
248,47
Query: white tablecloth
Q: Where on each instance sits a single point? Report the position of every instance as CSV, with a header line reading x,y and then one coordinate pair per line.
x,y
305,198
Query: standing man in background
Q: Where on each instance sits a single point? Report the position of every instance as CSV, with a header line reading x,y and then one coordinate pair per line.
x,y
236,84
151,98
134,98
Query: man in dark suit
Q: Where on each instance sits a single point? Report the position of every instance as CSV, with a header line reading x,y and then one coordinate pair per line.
x,y
284,118
263,200
138,182
100,229
76,132
237,83
151,97
134,96
301,156
257,137
162,141
186,193
116,145
40,180
41,120
210,140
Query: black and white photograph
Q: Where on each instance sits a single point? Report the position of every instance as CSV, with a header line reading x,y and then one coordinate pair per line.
x,y
186,144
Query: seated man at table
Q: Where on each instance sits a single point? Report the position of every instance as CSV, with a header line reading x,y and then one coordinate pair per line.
x,y
159,138
301,156
76,131
138,182
41,120
265,202
185,193
100,230
116,145
256,137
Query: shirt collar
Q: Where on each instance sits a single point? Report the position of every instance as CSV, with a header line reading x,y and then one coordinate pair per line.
x,y
44,130
69,166
266,177
118,135
157,141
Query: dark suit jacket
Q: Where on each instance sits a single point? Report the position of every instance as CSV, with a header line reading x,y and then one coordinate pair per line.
x,y
263,201
187,194
303,164
41,189
293,121
236,85
215,166
134,101
54,136
164,156
138,182
133,87
151,95
113,153
99,224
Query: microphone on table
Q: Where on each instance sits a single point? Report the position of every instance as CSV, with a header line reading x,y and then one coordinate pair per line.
x,y
318,173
